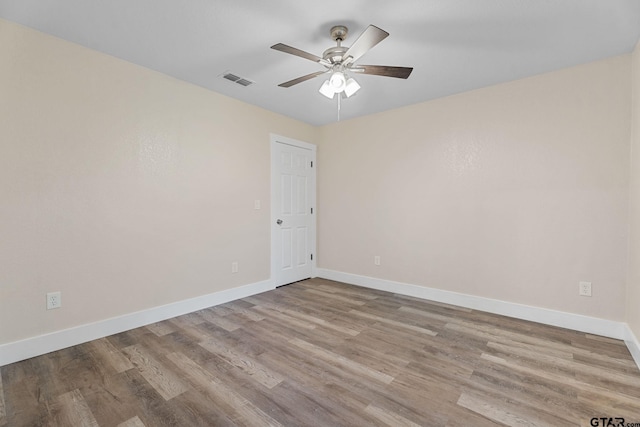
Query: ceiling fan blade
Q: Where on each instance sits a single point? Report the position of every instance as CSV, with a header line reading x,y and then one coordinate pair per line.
x,y
384,70
368,39
297,52
301,79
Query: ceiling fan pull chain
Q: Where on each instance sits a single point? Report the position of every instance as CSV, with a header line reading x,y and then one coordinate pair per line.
x,y
339,98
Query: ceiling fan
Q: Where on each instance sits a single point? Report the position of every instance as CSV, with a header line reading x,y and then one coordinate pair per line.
x,y
340,60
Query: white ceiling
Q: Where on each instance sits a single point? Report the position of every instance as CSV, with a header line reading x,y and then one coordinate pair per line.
x,y
453,45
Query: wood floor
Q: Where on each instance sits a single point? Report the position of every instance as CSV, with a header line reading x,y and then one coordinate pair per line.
x,y
322,353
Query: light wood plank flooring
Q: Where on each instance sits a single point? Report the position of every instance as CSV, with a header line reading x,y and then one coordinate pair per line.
x,y
323,353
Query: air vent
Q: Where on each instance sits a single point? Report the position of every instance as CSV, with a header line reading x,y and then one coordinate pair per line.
x,y
237,79
244,82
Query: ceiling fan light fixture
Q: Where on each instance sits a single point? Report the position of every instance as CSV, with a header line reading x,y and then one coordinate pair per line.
x,y
327,90
351,87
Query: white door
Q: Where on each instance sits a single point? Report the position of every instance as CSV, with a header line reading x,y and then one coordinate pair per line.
x,y
292,210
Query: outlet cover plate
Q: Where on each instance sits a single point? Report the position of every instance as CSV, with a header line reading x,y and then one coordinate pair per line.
x,y
585,289
54,300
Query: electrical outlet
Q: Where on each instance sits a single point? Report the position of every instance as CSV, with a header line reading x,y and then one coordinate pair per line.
x,y
376,260
256,204
585,289
54,300
234,267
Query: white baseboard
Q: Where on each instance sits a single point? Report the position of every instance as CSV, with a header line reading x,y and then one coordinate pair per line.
x,y
42,344
633,344
577,322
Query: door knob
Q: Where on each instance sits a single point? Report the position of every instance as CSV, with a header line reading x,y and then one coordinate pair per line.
x,y
279,222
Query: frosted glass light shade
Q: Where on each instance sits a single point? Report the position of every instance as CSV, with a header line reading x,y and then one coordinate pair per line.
x,y
338,81
351,87
327,90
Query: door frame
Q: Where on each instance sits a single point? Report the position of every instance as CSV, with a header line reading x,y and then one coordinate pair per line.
x,y
278,139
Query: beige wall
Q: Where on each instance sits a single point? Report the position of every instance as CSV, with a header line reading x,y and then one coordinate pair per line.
x,y
515,192
121,187
633,279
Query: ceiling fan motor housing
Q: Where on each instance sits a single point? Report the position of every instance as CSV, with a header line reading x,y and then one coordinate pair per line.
x,y
335,54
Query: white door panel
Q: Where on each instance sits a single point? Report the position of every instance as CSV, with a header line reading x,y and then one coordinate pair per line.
x,y
293,197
